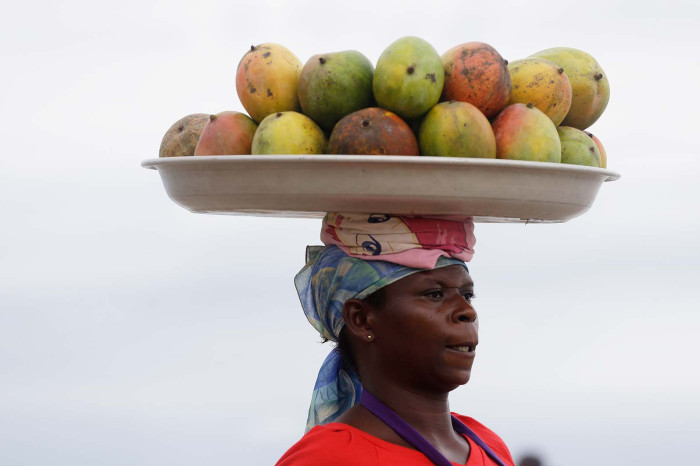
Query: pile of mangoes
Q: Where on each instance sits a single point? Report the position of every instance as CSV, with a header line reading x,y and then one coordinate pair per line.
x,y
469,102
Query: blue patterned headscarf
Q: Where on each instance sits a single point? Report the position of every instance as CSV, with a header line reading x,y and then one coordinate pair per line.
x,y
330,278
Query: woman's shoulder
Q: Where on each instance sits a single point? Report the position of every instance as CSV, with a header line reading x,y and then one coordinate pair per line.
x,y
343,445
334,443
488,436
340,444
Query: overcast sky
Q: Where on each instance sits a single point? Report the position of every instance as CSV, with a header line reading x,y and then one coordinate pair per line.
x,y
134,332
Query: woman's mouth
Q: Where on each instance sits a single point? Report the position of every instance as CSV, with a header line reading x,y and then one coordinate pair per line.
x,y
463,348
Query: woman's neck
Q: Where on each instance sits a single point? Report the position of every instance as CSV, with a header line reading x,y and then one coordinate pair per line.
x,y
428,413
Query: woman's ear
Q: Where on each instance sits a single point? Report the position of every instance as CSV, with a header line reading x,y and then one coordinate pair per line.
x,y
356,314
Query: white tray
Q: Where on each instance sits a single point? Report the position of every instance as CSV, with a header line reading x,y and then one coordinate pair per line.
x,y
310,185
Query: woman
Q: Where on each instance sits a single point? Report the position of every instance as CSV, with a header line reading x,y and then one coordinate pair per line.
x,y
395,294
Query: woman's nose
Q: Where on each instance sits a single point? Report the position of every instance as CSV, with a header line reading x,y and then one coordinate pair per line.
x,y
463,310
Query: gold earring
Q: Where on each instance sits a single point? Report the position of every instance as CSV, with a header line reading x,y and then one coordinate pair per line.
x,y
369,337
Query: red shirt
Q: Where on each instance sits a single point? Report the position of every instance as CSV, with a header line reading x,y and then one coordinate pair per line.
x,y
336,444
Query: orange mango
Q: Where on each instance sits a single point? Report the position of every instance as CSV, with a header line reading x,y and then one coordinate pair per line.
x,y
476,73
372,131
226,133
523,132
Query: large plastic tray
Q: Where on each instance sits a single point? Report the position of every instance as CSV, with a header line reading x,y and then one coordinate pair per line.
x,y
310,185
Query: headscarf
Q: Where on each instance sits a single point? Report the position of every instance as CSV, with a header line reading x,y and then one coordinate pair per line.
x,y
326,282
412,241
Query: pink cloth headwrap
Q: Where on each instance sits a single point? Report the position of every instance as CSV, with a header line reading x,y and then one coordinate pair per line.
x,y
411,241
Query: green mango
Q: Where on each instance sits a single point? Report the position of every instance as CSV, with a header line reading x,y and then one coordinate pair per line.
x,y
408,78
334,85
578,148
456,129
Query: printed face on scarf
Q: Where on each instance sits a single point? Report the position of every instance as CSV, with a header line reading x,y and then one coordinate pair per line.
x,y
426,332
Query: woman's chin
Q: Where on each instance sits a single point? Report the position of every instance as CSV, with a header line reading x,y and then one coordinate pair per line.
x,y
455,381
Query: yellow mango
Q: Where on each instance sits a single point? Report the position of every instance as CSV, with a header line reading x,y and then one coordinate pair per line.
x,y
288,133
267,79
542,83
591,89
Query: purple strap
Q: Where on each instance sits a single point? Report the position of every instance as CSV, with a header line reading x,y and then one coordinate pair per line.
x,y
412,436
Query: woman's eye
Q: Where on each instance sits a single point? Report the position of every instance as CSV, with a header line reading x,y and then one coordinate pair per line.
x,y
468,296
434,294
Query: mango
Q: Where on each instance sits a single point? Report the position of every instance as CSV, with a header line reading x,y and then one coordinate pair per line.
x,y
590,86
578,148
408,77
523,132
601,149
181,138
288,133
266,80
372,131
542,83
227,133
333,85
456,129
476,73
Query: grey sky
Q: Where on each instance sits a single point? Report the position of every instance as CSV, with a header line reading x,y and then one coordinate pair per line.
x,y
134,332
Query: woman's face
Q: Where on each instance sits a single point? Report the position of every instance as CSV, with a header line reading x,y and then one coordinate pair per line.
x,y
425,334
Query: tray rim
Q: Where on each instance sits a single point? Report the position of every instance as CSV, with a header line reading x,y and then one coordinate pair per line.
x,y
155,163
